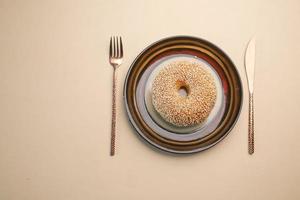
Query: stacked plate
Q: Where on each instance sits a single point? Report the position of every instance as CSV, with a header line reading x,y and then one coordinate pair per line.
x,y
151,126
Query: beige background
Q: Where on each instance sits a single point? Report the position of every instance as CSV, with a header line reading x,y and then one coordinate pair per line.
x,y
55,101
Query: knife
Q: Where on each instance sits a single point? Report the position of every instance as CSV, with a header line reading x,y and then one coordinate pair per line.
x,y
250,65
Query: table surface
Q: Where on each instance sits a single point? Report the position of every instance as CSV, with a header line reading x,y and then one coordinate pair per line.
x,y
55,101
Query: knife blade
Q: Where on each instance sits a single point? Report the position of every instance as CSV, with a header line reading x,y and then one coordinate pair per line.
x,y
250,63
250,66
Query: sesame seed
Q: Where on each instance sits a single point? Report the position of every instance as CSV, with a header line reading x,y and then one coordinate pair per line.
x,y
184,110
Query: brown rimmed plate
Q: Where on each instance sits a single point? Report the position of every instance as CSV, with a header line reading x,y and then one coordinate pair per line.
x,y
152,128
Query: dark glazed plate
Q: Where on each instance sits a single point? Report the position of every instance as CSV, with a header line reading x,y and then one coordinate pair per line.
x,y
152,128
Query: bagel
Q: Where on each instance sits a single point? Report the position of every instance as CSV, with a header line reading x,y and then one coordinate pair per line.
x,y
194,104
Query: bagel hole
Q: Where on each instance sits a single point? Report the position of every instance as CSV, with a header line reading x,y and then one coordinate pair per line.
x,y
183,91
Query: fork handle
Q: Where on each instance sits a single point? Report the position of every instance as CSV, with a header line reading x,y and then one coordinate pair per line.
x,y
113,116
251,126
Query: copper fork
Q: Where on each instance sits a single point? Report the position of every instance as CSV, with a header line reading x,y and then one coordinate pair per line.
x,y
115,59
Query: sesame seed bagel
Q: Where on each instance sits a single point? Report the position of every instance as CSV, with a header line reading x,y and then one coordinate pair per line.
x,y
184,110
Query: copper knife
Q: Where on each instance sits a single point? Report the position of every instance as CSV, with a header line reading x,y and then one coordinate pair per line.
x,y
250,65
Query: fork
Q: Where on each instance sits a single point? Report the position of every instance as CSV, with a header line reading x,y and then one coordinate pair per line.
x,y
115,59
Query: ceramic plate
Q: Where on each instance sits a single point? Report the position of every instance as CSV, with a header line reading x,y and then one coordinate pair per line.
x,y
154,129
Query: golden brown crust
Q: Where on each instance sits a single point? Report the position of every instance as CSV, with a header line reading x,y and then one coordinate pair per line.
x,y
184,110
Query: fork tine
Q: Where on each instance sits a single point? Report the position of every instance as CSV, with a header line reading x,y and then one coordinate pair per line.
x,y
121,48
110,47
117,49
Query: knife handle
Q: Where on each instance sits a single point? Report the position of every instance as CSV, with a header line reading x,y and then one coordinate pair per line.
x,y
251,126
